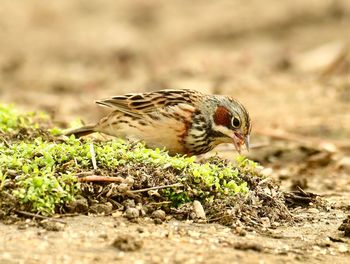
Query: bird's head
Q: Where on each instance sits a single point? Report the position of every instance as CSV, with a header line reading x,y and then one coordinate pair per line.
x,y
231,122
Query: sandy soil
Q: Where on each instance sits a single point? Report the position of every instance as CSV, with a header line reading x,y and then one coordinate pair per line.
x,y
287,61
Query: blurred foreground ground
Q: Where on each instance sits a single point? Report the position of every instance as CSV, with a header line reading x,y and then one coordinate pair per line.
x,y
287,61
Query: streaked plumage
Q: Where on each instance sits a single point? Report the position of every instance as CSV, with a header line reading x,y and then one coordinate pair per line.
x,y
182,121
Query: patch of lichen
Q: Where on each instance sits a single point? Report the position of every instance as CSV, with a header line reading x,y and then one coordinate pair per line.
x,y
40,172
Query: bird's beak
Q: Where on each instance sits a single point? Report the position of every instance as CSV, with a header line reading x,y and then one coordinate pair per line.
x,y
239,140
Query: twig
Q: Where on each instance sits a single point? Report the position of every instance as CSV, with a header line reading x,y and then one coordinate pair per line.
x,y
97,178
157,188
39,216
302,191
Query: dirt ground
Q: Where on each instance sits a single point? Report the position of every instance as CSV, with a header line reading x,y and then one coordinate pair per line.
x,y
287,61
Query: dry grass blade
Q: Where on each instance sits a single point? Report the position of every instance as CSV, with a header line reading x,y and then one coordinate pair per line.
x,y
93,156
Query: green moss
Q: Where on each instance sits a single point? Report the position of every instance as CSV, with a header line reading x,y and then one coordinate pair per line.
x,y
45,169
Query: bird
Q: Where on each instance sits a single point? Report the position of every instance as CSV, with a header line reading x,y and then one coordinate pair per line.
x,y
182,121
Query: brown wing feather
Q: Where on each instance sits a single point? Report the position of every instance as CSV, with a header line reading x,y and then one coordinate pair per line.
x,y
140,103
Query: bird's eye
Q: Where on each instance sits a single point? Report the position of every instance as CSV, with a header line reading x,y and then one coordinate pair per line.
x,y
236,122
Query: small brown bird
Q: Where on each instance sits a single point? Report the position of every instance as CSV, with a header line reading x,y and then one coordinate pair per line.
x,y
182,121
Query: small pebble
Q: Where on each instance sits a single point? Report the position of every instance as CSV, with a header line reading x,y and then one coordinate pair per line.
x,y
129,203
343,249
344,164
240,231
159,214
132,213
105,209
123,187
157,221
199,211
129,180
78,206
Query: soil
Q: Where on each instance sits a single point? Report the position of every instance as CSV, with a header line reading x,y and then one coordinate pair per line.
x,y
289,66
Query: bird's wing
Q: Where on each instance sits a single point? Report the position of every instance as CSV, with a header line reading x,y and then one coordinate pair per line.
x,y
137,104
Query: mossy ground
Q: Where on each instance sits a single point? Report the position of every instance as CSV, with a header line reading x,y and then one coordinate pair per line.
x,y
41,168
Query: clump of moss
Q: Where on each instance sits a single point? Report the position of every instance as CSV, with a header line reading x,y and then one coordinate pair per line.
x,y
40,172
40,184
45,170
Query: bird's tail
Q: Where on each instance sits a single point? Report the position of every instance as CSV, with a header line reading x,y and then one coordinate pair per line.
x,y
82,131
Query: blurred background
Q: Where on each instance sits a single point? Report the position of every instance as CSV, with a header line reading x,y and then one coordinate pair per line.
x,y
287,61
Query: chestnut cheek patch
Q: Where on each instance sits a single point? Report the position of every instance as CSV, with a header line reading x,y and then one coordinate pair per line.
x,y
222,116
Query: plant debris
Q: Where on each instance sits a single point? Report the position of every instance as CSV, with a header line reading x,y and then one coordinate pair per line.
x,y
300,198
